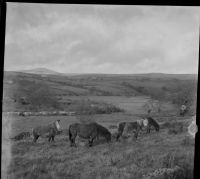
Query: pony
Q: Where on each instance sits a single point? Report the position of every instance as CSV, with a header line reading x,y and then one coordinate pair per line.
x,y
127,127
48,131
87,131
151,122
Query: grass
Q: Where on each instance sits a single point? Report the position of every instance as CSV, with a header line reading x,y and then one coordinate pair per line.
x,y
125,159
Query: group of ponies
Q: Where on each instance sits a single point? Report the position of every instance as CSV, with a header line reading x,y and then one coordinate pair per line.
x,y
92,131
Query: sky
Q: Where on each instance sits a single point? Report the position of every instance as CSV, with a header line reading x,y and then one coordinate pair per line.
x,y
116,39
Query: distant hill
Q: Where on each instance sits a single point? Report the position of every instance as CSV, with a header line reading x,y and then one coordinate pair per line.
x,y
41,71
46,71
143,75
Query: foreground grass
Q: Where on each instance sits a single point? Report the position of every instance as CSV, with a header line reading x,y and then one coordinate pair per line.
x,y
125,159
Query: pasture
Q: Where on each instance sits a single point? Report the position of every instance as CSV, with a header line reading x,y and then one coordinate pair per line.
x,y
125,159
133,105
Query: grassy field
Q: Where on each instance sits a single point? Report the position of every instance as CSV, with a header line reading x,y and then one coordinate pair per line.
x,y
133,105
125,159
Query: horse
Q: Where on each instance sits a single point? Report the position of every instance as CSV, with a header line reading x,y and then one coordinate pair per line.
x,y
152,122
127,127
48,131
87,131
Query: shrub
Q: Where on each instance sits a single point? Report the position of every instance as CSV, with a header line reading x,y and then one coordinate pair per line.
x,y
87,107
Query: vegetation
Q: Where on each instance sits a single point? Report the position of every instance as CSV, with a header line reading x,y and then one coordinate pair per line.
x,y
123,159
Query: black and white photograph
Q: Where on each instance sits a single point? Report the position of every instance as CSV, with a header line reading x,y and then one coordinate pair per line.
x,y
93,91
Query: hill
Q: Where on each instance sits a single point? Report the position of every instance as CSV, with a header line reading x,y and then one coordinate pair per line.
x,y
41,71
54,88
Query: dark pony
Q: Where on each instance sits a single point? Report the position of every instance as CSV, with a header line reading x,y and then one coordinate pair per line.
x,y
128,127
48,131
88,131
154,123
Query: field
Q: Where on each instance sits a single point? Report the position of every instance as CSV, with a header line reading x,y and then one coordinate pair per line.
x,y
125,159
133,105
128,158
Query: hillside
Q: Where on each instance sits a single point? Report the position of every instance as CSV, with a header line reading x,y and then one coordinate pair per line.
x,y
41,71
31,91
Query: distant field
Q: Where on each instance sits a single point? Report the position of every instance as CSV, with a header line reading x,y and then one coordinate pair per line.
x,y
133,105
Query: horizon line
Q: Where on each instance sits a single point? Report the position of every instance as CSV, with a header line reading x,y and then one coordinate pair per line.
x,y
23,71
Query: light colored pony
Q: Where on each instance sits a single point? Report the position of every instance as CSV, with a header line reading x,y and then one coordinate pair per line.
x,y
47,131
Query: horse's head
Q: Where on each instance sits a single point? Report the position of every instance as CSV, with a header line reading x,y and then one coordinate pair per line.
x,y
57,124
145,122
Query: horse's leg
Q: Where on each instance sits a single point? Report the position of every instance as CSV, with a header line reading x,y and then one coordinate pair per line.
x,y
136,135
149,129
118,136
137,132
49,139
52,138
73,144
35,138
91,142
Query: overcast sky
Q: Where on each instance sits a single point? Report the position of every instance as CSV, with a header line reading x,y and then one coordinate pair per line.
x,y
102,39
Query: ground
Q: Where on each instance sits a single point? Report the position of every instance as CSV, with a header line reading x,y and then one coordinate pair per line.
x,y
128,158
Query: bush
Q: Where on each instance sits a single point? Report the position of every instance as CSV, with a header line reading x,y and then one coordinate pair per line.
x,y
87,107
